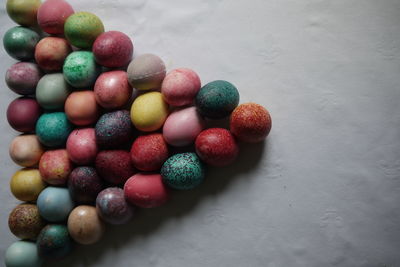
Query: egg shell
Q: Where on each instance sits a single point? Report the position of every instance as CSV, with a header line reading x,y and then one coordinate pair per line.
x,y
146,190
84,184
112,206
26,150
146,72
82,146
23,12
26,184
55,167
19,42
81,108
22,254
52,14
113,49
216,147
52,91
54,242
114,166
50,53
55,204
183,126
25,222
23,113
22,77
112,89
180,87
80,69
149,112
53,129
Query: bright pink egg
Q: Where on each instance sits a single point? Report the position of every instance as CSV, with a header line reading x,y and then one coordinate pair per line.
x,y
52,15
55,167
81,146
112,89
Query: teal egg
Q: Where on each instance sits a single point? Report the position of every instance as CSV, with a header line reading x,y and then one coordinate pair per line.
x,y
52,91
80,69
20,42
55,204
53,129
22,254
183,171
217,99
54,242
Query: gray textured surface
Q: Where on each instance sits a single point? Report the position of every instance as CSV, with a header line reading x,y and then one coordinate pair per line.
x,y
324,190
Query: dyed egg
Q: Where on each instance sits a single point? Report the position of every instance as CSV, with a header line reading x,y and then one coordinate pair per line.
x,y
149,112
183,171
52,15
55,167
149,152
22,254
216,147
55,204
112,206
81,108
217,99
84,184
112,89
23,113
182,127
54,242
80,69
26,150
51,52
22,78
20,42
26,184
146,190
114,166
53,129
52,91
113,49
180,87
23,12
25,222
146,72
81,146
84,225
114,129
82,28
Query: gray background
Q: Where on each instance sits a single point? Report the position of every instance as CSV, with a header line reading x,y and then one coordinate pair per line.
x,y
323,190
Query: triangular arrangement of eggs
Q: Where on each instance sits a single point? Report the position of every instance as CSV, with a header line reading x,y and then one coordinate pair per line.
x,y
92,151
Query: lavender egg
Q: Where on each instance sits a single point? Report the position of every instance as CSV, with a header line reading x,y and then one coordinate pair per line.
x,y
112,206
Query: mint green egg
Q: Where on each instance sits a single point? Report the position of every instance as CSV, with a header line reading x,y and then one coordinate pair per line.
x,y
52,91
81,70
22,254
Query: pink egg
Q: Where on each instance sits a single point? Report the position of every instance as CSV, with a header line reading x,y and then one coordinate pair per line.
x,y
81,146
52,15
112,89
182,127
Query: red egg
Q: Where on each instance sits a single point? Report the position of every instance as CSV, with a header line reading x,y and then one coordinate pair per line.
x,y
55,167
52,15
112,89
216,147
146,190
114,166
81,146
81,108
51,52
22,114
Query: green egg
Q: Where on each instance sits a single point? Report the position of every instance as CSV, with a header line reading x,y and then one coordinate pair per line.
x,y
22,254
20,43
80,69
54,242
53,129
52,91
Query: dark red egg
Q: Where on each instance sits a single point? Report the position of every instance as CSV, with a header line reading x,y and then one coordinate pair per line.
x,y
114,166
22,114
84,185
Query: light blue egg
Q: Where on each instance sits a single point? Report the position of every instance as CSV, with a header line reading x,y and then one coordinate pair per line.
x,y
55,204
22,254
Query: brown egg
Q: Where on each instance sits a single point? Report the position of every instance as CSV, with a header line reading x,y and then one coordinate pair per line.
x,y
81,108
25,222
84,225
26,150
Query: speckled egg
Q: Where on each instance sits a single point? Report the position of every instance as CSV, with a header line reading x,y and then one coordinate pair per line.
x,y
216,147
23,12
146,190
55,167
20,43
53,129
82,28
22,254
23,113
26,150
55,204
84,184
82,146
52,91
80,69
183,171
81,108
54,242
114,166
112,206
149,111
52,15
146,72
26,184
51,52
25,222
22,77
217,99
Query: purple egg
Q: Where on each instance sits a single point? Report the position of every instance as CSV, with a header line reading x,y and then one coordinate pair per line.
x,y
22,114
84,185
23,77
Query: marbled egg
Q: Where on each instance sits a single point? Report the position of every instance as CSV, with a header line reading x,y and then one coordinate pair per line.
x,y
22,254
51,52
52,91
82,146
146,72
22,77
55,204
23,113
27,184
53,129
80,69
84,184
25,222
26,150
55,167
81,108
52,15
20,42
114,166
54,242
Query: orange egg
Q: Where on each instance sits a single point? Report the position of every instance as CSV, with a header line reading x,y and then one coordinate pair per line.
x,y
81,108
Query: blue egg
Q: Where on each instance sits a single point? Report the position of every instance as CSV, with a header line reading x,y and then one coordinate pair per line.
x,y
55,204
22,254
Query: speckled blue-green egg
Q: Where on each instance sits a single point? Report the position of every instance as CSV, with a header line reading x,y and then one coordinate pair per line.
x,y
20,42
183,171
54,242
81,70
53,129
217,99
22,254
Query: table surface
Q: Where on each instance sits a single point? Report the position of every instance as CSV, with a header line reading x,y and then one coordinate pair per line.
x,y
323,190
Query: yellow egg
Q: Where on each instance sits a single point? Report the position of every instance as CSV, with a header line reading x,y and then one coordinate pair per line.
x,y
149,112
26,184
